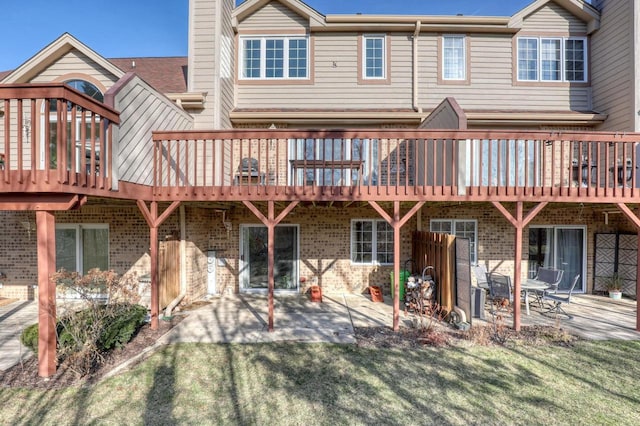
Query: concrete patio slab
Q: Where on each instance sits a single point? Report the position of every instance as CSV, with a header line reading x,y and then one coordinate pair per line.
x,y
243,319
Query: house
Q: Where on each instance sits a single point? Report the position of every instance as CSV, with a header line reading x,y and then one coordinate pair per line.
x,y
516,133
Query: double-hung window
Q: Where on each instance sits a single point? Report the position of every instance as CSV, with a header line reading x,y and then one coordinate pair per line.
x,y
557,59
371,242
462,228
267,58
374,53
454,58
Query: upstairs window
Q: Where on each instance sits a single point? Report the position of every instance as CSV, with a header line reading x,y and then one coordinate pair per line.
x,y
454,57
374,54
558,59
274,58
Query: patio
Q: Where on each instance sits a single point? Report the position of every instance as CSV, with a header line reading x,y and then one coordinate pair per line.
x,y
594,317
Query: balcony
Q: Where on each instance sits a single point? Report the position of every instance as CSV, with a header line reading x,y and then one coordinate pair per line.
x,y
385,165
53,139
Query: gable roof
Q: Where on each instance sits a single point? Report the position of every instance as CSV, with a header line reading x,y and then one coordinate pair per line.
x,y
165,74
60,46
579,8
249,7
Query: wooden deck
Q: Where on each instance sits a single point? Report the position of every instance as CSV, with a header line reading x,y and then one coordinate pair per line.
x,y
305,165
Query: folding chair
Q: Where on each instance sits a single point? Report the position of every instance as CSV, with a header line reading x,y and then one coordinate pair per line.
x,y
558,299
499,291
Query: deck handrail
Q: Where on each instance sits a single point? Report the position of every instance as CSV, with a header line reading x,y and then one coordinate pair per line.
x,y
400,163
54,139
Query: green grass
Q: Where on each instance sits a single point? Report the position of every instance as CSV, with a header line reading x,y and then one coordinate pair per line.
x,y
301,384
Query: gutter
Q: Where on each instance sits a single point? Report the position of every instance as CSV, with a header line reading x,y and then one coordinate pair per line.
x,y
416,33
183,263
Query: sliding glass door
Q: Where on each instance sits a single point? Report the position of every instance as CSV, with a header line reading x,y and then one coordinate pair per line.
x,y
254,261
561,247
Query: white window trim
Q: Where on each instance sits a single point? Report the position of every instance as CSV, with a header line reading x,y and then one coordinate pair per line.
x,y
464,57
78,227
563,69
364,56
263,57
453,230
374,242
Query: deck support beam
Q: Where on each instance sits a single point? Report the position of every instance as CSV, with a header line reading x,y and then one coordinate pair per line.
x,y
46,236
271,221
396,223
636,222
154,221
519,222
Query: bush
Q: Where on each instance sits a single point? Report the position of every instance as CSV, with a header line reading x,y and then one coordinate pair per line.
x,y
29,338
109,318
117,328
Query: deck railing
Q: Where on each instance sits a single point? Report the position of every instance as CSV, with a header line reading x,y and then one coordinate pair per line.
x,y
397,164
53,139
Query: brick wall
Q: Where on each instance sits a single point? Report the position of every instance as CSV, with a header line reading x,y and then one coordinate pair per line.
x,y
324,235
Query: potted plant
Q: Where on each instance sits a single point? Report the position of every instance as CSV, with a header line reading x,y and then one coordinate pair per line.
x,y
614,285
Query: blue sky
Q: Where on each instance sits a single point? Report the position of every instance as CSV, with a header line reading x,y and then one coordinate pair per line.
x,y
124,28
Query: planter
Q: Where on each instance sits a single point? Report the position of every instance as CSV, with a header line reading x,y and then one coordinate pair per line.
x,y
615,294
376,293
315,293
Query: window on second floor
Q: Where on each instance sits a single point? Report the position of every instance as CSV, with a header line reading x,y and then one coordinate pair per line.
x,y
454,58
274,58
552,59
374,56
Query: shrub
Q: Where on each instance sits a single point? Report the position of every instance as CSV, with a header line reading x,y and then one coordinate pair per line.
x,y
108,319
29,337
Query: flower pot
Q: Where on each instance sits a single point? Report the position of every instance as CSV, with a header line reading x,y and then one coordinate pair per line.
x,y
315,293
376,293
615,294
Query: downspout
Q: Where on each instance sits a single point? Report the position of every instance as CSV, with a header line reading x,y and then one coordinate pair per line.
x,y
183,263
416,33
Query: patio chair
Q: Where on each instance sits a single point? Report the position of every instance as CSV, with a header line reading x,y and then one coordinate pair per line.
x,y
499,291
480,272
559,299
549,276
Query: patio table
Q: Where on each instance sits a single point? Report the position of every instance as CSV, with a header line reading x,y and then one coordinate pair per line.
x,y
532,286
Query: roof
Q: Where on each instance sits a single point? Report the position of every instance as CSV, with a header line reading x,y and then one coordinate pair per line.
x,y
165,74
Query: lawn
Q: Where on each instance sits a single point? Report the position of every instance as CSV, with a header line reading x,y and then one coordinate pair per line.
x,y
302,384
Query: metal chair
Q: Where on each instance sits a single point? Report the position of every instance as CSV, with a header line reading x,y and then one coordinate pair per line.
x,y
499,291
558,299
549,276
480,272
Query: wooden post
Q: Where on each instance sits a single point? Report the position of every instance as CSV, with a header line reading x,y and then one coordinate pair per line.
x,y
634,218
519,222
155,285
397,227
154,221
271,221
46,236
271,234
397,223
517,267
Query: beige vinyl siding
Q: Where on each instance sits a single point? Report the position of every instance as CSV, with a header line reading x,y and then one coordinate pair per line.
x,y
612,66
554,18
227,69
133,137
77,64
491,80
273,16
335,80
202,54
14,130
